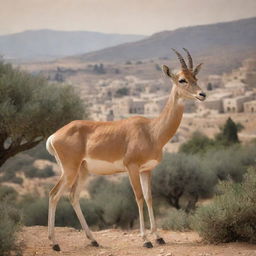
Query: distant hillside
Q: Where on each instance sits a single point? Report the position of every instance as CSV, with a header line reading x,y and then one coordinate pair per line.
x,y
49,44
218,44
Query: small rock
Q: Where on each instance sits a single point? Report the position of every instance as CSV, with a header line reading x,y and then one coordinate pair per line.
x,y
169,254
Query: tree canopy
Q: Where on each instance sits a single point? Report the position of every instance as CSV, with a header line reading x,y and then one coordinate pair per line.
x,y
180,175
31,109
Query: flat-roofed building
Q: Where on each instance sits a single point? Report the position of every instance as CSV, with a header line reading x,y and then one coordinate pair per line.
x,y
236,104
250,106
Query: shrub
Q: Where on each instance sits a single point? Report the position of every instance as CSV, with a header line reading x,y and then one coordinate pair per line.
x,y
33,172
231,162
229,133
181,176
232,214
116,201
8,193
9,225
198,143
35,212
175,220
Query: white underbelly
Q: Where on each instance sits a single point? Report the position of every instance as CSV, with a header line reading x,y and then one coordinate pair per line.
x,y
149,165
101,167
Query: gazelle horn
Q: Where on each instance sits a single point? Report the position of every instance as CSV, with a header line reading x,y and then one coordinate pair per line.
x,y
182,61
190,60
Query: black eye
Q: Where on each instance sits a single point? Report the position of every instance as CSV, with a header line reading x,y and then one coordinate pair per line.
x,y
182,81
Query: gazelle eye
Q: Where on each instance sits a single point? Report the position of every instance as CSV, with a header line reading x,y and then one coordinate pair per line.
x,y
182,81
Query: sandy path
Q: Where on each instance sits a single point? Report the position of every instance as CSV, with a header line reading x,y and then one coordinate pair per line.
x,y
120,243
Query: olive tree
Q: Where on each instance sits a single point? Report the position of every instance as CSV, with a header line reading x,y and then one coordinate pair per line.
x,y
181,176
31,109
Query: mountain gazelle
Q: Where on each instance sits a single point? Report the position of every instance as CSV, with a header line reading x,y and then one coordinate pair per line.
x,y
132,145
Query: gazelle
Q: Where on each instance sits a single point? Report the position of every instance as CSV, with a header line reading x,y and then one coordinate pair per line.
x,y
132,145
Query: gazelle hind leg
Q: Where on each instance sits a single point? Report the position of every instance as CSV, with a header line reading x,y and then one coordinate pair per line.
x,y
135,182
54,197
74,199
145,180
69,173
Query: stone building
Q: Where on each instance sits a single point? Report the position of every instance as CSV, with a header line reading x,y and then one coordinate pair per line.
x,y
214,102
128,106
250,106
235,104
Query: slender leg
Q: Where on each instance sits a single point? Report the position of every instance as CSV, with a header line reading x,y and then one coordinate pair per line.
x,y
74,198
69,174
145,180
135,182
55,195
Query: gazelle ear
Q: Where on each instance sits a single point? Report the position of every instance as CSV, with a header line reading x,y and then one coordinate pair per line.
x,y
197,69
167,71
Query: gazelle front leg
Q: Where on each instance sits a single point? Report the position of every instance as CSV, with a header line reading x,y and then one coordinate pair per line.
x,y
74,199
134,176
145,180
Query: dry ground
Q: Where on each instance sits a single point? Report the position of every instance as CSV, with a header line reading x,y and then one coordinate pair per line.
x,y
121,243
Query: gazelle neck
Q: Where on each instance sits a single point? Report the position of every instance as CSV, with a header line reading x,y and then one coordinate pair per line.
x,y
166,124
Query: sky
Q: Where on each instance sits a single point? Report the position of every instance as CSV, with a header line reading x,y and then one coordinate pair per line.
x,y
118,16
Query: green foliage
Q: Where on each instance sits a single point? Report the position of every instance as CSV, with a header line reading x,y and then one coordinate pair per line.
x,y
31,109
180,175
8,194
198,143
116,201
232,214
33,172
229,162
24,162
124,91
182,179
177,220
228,134
35,212
9,225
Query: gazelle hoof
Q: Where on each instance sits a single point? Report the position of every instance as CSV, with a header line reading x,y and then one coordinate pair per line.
x,y
160,240
95,244
148,245
56,247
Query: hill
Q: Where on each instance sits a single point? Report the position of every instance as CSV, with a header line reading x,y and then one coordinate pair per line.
x,y
219,45
114,242
50,44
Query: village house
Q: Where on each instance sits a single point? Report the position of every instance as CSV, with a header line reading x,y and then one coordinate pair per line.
x,y
236,104
214,101
128,106
250,106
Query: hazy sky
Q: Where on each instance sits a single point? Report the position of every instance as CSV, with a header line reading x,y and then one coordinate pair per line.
x,y
118,16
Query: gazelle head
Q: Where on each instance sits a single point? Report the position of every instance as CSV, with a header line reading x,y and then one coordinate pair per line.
x,y
185,80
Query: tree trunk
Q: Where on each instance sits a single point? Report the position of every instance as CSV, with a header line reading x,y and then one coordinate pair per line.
x,y
174,199
14,149
191,206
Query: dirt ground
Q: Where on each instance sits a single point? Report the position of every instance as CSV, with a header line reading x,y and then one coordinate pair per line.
x,y
125,243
